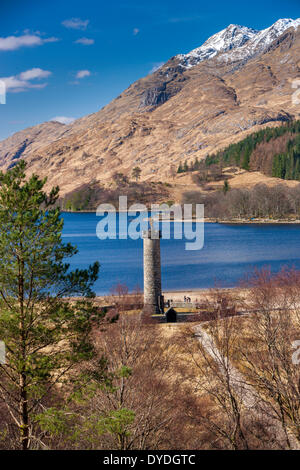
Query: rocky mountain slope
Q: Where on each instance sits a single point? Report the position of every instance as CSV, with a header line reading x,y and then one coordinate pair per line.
x,y
239,81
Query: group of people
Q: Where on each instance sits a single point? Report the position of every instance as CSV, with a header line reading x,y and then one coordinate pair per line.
x,y
186,299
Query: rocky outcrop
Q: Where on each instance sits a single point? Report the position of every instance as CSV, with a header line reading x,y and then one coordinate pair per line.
x,y
154,96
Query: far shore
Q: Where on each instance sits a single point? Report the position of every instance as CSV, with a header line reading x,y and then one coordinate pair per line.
x,y
209,220
253,221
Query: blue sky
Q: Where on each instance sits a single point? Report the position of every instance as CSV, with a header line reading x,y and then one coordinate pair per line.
x,y
69,58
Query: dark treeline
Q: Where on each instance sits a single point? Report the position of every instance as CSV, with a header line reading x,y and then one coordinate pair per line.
x,y
240,153
274,151
189,166
287,165
260,201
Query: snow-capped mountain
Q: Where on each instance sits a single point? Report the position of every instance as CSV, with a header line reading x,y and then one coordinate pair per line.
x,y
230,38
237,43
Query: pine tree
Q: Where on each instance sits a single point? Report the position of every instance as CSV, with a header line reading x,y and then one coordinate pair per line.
x,y
136,173
196,164
226,187
45,335
185,167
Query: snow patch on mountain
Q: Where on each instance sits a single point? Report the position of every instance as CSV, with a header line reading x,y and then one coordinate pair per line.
x,y
237,43
262,40
227,39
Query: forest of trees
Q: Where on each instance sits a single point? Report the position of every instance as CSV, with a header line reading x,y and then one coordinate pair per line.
x,y
285,164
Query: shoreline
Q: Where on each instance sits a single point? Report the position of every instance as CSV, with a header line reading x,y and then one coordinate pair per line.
x,y
210,220
178,294
255,221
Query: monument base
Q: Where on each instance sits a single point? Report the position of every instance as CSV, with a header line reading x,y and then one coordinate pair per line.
x,y
147,312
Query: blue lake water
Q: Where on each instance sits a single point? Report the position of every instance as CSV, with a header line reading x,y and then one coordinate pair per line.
x,y
230,251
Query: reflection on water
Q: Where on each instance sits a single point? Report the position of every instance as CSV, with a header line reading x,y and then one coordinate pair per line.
x,y
229,252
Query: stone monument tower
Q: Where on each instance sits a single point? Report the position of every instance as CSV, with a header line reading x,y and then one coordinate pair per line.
x,y
153,300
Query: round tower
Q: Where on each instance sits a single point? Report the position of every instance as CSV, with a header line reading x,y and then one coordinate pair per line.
x,y
152,272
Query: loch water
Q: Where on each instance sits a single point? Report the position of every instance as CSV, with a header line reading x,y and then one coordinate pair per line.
x,y
230,252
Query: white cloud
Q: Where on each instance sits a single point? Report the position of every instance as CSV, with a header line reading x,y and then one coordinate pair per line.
x,y
22,81
63,119
136,31
83,73
156,67
85,41
14,84
76,23
35,73
11,43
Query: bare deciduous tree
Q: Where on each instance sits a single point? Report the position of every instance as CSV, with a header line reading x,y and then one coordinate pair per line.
x,y
268,365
